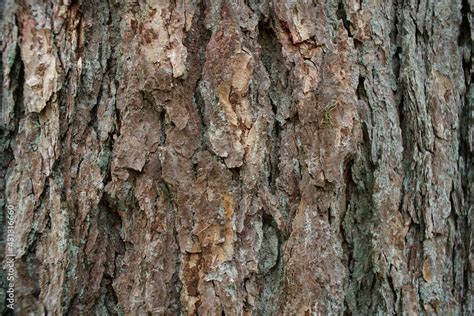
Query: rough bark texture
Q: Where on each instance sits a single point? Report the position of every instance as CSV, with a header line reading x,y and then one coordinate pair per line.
x,y
239,157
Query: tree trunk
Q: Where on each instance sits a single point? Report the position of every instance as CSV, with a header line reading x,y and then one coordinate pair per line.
x,y
238,157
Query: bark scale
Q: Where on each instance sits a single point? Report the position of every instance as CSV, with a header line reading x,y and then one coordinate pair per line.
x,y
239,157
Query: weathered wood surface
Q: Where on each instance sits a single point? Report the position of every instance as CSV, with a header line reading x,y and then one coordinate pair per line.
x,y
239,157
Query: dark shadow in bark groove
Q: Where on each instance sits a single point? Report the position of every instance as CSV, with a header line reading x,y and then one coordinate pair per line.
x,y
271,266
111,223
273,62
6,149
271,261
463,205
196,43
357,222
342,15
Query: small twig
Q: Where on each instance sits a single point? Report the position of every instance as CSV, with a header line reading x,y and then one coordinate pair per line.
x,y
208,225
328,109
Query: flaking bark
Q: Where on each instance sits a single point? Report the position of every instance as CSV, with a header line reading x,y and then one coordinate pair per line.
x,y
239,157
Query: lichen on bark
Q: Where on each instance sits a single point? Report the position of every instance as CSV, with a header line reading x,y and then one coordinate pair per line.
x,y
238,157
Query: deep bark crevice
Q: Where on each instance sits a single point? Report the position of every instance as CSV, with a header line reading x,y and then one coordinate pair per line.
x,y
464,200
342,15
185,166
273,62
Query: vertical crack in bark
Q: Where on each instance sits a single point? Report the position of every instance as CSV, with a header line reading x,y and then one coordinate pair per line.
x,y
270,266
274,159
196,43
271,261
183,232
360,92
8,132
358,219
274,64
358,226
348,247
462,202
342,15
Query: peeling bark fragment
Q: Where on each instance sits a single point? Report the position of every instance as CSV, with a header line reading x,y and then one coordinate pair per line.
x,y
238,157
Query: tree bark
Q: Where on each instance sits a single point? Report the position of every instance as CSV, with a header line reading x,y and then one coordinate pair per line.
x,y
238,157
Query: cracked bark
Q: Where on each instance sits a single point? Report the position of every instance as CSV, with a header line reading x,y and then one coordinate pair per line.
x,y
239,157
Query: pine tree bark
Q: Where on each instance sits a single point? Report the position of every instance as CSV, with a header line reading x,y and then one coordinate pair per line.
x,y
239,157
